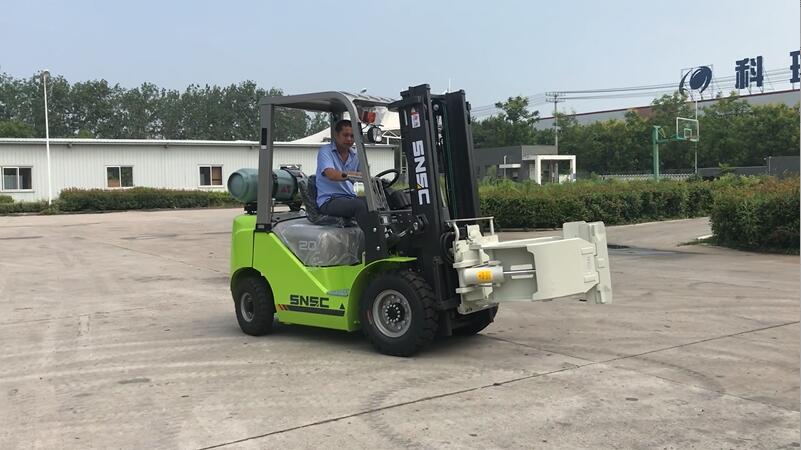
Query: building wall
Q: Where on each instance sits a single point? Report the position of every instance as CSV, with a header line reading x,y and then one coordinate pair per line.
x,y
169,164
484,158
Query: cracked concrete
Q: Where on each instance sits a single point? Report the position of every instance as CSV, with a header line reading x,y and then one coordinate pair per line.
x,y
117,330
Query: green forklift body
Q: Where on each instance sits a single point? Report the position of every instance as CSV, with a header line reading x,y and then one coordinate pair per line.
x,y
326,297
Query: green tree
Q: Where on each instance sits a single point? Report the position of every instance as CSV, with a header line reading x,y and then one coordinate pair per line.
x,y
736,133
242,102
665,110
137,113
625,146
733,132
513,126
318,122
602,147
58,103
94,108
170,113
15,129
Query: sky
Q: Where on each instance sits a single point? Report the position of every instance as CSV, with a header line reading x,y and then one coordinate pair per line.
x,y
491,50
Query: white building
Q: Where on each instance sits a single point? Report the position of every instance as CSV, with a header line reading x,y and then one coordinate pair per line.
x,y
122,163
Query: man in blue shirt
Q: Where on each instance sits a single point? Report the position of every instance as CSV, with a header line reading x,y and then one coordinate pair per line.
x,y
336,163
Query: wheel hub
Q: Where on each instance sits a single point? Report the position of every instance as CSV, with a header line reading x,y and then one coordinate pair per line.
x,y
392,313
247,307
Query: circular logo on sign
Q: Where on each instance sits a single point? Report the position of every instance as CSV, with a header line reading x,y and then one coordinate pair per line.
x,y
700,77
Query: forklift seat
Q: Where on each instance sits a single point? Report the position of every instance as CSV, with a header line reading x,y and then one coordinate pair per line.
x,y
327,240
308,193
321,246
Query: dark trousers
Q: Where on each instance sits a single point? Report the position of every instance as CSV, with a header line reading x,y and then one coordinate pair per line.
x,y
345,207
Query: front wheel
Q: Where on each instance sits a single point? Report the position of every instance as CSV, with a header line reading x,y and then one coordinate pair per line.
x,y
253,303
397,313
478,322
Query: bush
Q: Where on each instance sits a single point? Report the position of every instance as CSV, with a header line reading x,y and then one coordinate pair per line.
x,y
6,199
22,207
140,198
527,205
746,212
760,217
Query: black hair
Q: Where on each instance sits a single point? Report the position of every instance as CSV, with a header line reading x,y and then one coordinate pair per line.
x,y
342,124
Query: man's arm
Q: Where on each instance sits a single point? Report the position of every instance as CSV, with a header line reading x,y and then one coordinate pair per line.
x,y
325,167
336,175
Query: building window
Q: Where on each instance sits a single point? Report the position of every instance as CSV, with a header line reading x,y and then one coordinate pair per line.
x,y
119,176
211,176
17,179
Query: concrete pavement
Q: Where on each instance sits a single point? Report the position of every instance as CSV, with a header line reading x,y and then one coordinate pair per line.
x,y
117,330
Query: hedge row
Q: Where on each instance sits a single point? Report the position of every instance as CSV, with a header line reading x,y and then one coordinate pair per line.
x,y
6,199
140,198
762,217
754,213
72,200
24,207
614,203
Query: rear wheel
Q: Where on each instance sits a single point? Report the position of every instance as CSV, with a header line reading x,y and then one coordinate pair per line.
x,y
397,313
253,303
481,320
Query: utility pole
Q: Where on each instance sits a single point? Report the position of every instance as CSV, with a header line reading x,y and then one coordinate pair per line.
x,y
655,145
554,97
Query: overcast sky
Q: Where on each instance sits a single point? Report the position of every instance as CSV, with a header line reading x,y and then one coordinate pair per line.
x,y
492,50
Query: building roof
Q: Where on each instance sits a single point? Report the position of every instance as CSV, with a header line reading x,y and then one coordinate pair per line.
x,y
537,149
150,142
175,142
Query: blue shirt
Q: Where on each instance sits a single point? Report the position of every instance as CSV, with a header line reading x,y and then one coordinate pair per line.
x,y
328,158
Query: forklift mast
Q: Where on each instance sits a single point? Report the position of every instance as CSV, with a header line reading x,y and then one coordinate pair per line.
x,y
438,145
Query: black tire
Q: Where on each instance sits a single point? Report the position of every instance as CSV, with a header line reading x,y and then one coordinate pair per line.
x,y
253,303
481,320
416,319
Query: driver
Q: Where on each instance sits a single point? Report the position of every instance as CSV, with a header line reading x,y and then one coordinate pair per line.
x,y
336,163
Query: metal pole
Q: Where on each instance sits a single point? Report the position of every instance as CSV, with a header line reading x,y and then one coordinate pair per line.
x,y
695,144
555,125
655,139
554,97
45,74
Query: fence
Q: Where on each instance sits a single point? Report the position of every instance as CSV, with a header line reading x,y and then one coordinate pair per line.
x,y
647,176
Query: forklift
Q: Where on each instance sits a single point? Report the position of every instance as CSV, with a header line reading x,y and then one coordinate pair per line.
x,y
421,263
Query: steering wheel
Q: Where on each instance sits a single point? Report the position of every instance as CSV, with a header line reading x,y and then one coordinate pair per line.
x,y
387,172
